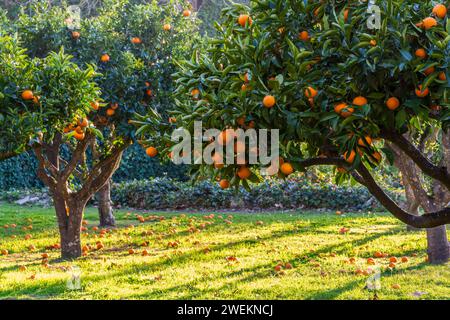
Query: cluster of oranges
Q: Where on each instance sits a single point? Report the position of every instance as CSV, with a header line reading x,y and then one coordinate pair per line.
x,y
78,129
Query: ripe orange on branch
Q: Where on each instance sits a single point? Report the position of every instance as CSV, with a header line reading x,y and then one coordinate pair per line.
x,y
151,152
244,173
304,36
429,23
269,101
350,157
392,103
344,110
186,13
244,19
287,168
27,95
440,11
105,58
310,92
422,93
224,184
421,53
360,101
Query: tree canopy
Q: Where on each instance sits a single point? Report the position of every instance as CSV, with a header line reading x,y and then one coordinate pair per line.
x,y
336,87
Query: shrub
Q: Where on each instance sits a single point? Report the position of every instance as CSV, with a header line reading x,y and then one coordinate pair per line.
x,y
163,193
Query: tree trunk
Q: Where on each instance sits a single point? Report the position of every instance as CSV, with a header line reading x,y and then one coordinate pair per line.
x,y
438,247
70,215
105,209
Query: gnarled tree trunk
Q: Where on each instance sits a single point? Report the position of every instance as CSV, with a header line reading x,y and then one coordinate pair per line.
x,y
105,208
438,246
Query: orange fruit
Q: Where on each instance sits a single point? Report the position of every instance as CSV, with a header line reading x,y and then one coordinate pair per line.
x,y
393,259
79,136
172,120
75,35
44,256
360,101
27,95
83,122
392,103
105,58
421,53
269,101
145,253
343,110
378,254
378,157
95,105
114,106
240,121
110,112
350,157
244,173
186,13
346,12
287,168
224,184
370,261
23,268
440,11
195,93
136,40
373,43
405,259
429,71
396,286
4,252
304,36
131,251
79,130
167,27
244,19
422,93
310,92
151,152
367,142
442,76
429,23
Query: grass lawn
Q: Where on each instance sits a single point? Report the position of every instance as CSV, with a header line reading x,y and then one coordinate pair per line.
x,y
234,260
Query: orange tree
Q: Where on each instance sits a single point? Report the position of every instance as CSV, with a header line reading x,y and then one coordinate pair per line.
x,y
38,98
132,46
336,87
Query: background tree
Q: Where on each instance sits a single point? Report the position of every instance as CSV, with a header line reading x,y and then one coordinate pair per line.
x,y
133,46
335,87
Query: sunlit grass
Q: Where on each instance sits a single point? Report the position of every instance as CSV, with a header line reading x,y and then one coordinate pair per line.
x,y
223,261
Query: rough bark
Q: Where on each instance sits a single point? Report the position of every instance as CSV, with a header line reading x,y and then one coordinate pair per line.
x,y
105,208
70,216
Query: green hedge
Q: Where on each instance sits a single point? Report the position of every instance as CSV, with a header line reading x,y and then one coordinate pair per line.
x,y
162,193
20,172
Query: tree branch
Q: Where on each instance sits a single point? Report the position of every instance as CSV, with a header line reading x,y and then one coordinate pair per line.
x,y
429,220
41,172
440,174
7,155
77,156
102,171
